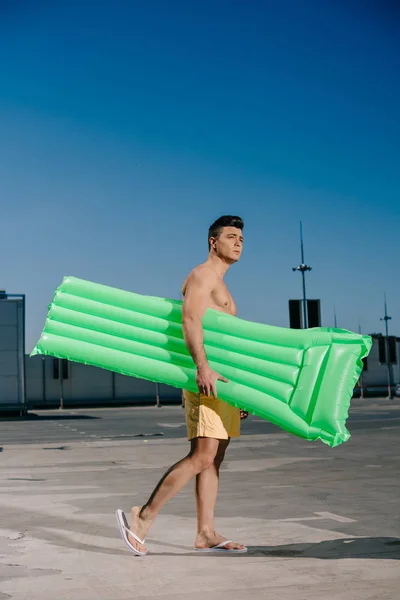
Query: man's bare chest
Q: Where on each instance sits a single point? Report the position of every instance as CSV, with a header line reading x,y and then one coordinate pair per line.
x,y
222,300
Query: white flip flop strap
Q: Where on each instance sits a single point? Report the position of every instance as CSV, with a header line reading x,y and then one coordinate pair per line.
x,y
135,536
223,544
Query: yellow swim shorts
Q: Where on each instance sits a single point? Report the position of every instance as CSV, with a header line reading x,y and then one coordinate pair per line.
x,y
207,416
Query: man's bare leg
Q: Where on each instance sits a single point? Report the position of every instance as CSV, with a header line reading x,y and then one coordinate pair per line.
x,y
206,490
201,456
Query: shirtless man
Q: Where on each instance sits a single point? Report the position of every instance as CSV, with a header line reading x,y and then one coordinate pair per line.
x,y
210,422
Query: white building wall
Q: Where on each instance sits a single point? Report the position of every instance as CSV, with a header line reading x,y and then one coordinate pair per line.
x,y
87,385
128,388
376,374
12,380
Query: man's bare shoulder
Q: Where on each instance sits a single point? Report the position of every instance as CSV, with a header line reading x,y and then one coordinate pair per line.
x,y
203,271
203,275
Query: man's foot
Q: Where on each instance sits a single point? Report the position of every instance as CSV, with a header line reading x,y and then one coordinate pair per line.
x,y
210,539
140,528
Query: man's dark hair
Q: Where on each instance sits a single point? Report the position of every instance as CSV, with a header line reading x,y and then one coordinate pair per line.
x,y
219,224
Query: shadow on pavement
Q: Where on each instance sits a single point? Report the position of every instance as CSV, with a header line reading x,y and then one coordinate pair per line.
x,y
368,548
388,548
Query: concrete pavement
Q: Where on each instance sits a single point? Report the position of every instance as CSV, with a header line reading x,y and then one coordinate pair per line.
x,y
320,523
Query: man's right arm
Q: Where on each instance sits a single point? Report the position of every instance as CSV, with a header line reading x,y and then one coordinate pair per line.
x,y
199,287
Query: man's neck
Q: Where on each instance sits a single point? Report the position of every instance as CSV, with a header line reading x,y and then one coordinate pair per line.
x,y
219,266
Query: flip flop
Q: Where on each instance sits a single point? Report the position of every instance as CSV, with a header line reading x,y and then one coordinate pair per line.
x,y
221,548
124,530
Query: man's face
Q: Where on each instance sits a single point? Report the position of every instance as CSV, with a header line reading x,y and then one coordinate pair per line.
x,y
229,244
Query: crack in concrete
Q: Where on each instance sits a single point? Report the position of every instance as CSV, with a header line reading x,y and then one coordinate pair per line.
x,y
30,568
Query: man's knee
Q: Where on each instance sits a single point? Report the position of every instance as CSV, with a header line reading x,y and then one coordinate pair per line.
x,y
203,461
203,453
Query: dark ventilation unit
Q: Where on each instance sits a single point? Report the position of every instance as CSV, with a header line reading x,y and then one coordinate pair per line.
x,y
64,368
295,314
296,317
314,313
382,349
393,349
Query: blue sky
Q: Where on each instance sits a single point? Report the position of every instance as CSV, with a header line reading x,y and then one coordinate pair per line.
x,y
128,127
